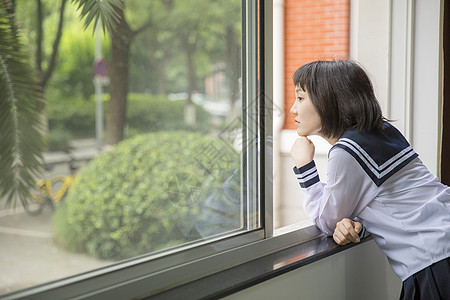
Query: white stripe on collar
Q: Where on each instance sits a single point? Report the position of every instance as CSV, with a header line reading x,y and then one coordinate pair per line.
x,y
388,166
381,154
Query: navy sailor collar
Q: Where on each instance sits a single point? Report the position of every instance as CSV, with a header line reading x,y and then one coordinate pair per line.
x,y
381,154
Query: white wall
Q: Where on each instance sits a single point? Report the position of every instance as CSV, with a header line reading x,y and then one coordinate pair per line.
x,y
427,82
361,272
416,75
370,43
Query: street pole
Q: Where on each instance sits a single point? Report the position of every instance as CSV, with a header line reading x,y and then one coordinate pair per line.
x,y
98,89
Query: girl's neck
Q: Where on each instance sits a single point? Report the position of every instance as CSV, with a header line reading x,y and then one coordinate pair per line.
x,y
331,140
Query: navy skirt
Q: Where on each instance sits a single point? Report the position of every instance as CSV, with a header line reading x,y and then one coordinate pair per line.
x,y
431,283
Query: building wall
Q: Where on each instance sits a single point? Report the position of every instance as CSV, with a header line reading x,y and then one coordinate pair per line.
x,y
314,30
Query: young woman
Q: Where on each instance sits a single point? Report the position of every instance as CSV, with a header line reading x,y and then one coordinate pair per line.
x,y
375,180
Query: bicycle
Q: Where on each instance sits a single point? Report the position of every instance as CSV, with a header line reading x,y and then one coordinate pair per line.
x,y
50,191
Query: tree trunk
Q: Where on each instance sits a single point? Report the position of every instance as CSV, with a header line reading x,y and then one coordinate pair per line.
x,y
44,75
118,89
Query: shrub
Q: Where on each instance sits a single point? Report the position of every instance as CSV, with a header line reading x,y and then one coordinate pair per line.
x,y
76,116
146,113
151,192
157,113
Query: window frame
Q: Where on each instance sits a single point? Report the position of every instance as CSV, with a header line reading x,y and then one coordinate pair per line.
x,y
150,274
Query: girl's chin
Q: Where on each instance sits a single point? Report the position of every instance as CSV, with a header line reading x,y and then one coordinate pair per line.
x,y
308,133
302,133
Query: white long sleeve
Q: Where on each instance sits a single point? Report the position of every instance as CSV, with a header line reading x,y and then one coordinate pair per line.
x,y
347,185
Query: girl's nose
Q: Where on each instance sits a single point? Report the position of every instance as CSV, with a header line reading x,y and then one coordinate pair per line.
x,y
293,110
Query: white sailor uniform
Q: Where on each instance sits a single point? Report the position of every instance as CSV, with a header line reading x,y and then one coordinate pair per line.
x,y
379,179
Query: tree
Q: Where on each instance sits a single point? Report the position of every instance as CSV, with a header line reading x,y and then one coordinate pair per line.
x,y
21,103
21,123
193,25
44,61
206,27
122,36
22,85
45,74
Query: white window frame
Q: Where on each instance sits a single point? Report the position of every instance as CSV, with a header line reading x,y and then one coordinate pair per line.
x,y
150,274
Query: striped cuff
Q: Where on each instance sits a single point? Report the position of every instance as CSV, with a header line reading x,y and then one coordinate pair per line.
x,y
363,233
307,175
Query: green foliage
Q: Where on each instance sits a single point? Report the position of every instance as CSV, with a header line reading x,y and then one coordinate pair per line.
x,y
146,113
158,60
151,192
26,16
104,10
73,76
20,120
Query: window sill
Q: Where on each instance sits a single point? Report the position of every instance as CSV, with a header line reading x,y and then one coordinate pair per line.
x,y
256,271
211,277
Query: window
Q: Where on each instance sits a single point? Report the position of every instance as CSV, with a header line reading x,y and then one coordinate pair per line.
x,y
185,191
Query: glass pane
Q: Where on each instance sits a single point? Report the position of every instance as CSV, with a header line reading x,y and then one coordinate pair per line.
x,y
146,146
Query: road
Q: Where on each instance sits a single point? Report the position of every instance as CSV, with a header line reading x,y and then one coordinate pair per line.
x,y
28,254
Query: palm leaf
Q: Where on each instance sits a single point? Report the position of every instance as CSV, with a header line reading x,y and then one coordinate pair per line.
x,y
105,10
20,121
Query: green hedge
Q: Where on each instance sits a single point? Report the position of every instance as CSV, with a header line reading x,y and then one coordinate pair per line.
x,y
76,116
151,192
157,113
145,113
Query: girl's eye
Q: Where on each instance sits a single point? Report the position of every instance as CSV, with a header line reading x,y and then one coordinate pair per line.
x,y
299,98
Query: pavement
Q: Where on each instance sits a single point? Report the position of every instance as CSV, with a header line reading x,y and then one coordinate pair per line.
x,y
28,254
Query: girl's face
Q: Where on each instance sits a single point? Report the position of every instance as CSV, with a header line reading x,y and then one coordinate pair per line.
x,y
307,120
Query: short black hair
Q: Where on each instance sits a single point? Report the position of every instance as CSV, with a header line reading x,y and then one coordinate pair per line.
x,y
342,94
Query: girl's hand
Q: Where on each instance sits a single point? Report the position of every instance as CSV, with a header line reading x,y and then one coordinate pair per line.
x,y
347,231
302,151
